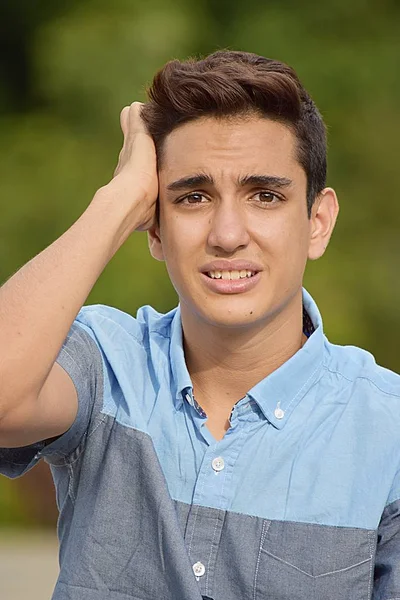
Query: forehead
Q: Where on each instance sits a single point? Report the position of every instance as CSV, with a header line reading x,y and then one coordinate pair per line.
x,y
230,148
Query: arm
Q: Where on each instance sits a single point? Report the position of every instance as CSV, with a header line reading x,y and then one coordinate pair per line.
x,y
40,302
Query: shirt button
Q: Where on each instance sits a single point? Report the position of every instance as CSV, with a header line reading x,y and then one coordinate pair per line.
x,y
199,569
279,413
218,464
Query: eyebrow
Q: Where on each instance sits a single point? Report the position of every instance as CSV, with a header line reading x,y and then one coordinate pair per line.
x,y
265,180
190,182
200,179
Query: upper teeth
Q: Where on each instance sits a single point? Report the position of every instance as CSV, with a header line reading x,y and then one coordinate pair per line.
x,y
230,274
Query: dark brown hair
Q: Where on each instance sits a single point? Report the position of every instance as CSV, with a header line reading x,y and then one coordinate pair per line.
x,y
228,83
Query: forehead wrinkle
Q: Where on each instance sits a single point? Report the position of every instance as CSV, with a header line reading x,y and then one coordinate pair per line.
x,y
202,178
255,179
182,155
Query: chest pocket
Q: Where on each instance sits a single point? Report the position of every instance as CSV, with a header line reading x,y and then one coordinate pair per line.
x,y
317,562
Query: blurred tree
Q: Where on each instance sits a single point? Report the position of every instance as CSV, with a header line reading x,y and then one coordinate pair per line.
x,y
19,22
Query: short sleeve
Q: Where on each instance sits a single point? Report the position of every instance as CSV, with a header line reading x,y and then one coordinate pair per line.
x,y
81,358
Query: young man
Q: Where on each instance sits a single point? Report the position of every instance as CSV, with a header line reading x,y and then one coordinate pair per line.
x,y
225,450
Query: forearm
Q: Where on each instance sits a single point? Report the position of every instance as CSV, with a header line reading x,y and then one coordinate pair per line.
x,y
39,303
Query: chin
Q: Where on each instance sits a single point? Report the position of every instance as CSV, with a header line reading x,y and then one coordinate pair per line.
x,y
229,311
230,318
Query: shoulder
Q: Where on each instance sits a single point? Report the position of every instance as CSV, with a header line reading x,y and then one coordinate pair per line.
x,y
102,321
359,368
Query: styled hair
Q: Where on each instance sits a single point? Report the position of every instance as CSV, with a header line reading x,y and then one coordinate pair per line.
x,y
230,83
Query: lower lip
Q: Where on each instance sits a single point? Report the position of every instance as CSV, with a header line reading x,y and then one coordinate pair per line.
x,y
231,286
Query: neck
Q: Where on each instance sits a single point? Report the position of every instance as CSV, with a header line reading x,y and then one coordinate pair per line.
x,y
225,363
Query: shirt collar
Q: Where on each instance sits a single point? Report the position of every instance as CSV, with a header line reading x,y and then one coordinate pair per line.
x,y
180,374
278,394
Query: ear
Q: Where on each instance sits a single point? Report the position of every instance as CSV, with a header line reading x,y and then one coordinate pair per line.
x,y
154,241
323,218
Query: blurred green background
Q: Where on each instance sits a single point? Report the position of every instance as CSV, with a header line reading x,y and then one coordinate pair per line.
x,y
68,67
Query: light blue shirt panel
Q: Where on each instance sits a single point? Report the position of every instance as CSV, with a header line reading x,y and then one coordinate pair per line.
x,y
332,459
135,362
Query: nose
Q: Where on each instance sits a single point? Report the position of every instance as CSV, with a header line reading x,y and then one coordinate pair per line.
x,y
228,228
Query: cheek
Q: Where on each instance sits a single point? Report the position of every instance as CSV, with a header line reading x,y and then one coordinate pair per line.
x,y
181,242
284,239
183,233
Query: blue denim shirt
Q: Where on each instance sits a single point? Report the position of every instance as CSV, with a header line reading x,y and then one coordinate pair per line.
x,y
299,500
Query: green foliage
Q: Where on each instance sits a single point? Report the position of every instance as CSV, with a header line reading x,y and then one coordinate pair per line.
x,y
88,59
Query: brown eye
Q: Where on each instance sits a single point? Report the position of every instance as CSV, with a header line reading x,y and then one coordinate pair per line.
x,y
267,197
193,198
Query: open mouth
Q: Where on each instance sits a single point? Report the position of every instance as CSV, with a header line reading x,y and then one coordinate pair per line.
x,y
243,274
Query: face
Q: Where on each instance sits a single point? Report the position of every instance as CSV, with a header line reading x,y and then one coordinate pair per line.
x,y
234,229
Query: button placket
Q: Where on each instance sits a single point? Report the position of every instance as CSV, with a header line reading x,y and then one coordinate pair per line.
x,y
210,481
204,546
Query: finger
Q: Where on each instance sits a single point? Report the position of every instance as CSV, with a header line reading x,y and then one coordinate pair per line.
x,y
136,123
124,120
118,167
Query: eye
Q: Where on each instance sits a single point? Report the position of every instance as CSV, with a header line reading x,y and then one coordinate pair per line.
x,y
194,198
266,197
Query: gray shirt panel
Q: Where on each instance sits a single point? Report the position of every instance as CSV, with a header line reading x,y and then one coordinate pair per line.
x,y
81,358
